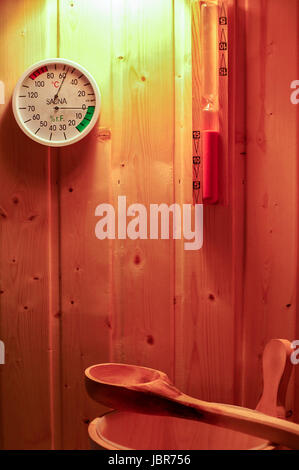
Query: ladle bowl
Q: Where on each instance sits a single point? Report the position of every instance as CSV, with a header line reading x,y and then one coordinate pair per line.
x,y
137,389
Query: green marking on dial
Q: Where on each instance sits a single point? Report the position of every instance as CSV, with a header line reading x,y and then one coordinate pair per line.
x,y
87,118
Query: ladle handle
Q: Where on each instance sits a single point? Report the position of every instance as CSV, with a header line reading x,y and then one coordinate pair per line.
x,y
247,421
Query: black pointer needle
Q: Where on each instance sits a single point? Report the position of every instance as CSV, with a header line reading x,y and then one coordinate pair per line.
x,y
56,107
56,96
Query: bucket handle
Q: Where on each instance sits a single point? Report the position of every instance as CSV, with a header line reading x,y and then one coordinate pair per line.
x,y
277,368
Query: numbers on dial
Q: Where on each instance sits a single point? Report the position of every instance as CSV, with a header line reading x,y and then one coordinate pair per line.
x,y
57,103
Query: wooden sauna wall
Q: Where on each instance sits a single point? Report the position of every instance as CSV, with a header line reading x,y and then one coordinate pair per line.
x,y
271,258
29,294
69,300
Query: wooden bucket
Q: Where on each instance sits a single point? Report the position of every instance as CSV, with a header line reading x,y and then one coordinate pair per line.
x,y
120,430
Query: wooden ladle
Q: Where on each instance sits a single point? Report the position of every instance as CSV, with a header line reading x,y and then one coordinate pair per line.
x,y
149,391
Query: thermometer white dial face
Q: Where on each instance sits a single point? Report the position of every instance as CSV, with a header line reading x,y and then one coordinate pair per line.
x,y
56,102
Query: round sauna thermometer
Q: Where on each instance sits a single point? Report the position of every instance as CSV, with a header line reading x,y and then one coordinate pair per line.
x,y
56,102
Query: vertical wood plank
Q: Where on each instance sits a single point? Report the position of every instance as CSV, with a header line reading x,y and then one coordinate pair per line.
x,y
142,170
28,412
186,81
236,115
85,261
205,319
271,184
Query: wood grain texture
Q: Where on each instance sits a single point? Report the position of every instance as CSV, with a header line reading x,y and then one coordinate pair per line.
x,y
205,311
277,368
69,300
142,170
28,413
187,81
85,261
271,184
149,391
161,432
237,147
